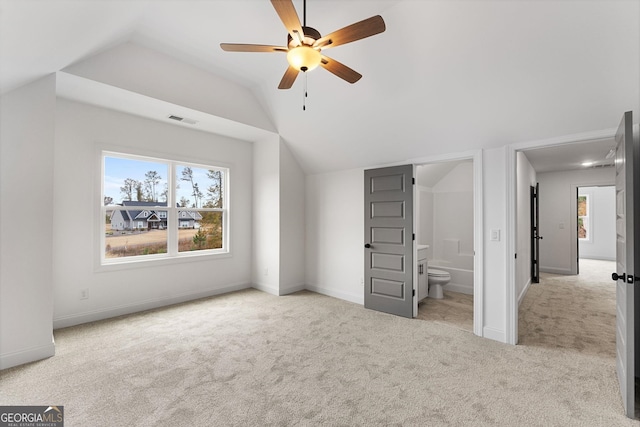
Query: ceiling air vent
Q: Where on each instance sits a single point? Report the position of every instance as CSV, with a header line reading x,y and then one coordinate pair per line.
x,y
182,119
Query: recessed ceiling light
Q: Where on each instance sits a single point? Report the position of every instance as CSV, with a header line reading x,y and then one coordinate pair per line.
x,y
587,163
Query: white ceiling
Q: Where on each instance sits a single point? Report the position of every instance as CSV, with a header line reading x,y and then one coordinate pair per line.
x,y
446,76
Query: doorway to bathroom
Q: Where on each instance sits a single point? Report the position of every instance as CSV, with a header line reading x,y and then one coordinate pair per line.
x,y
445,224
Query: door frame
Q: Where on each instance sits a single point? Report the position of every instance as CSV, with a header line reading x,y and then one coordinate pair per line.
x,y
478,228
512,150
535,232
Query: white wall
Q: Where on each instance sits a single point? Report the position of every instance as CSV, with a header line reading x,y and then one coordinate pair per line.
x,y
292,187
558,248
453,216
27,123
495,251
334,237
601,243
147,72
525,178
424,234
278,219
80,130
265,273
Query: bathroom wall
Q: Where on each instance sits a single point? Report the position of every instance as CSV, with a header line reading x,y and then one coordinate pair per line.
x,y
453,217
424,233
445,223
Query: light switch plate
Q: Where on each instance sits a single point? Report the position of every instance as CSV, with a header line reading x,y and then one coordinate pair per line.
x,y
495,235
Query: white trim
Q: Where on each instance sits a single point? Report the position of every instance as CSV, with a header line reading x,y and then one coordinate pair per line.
x,y
511,327
494,334
9,360
478,243
588,228
524,292
552,270
172,210
478,229
267,289
92,316
357,299
511,299
291,289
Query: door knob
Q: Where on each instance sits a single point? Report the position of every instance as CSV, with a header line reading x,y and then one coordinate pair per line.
x,y
367,245
615,277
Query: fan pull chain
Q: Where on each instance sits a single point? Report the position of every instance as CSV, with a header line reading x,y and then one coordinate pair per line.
x,y
304,97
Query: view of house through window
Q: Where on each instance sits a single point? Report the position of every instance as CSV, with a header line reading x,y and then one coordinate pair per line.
x,y
583,217
161,208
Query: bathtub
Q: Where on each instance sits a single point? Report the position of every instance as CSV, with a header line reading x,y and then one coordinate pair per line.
x,y
461,278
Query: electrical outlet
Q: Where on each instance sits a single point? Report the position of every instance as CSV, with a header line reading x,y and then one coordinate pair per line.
x,y
84,293
362,281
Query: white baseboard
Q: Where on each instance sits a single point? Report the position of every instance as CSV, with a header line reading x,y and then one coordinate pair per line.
x,y
599,258
264,288
9,360
455,287
106,313
291,289
524,292
494,334
357,299
555,270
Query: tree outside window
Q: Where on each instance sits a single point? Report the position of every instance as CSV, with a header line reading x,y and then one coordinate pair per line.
x,y
158,208
584,232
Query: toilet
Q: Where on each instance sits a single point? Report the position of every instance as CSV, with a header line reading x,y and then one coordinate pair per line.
x,y
437,279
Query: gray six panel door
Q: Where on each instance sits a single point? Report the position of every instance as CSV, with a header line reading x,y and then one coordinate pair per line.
x,y
388,238
627,254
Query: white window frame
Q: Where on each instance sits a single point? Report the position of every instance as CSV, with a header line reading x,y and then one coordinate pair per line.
x,y
171,209
587,222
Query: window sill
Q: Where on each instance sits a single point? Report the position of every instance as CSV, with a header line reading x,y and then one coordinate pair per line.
x,y
153,262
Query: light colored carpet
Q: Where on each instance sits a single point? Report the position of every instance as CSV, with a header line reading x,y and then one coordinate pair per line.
x,y
252,359
576,313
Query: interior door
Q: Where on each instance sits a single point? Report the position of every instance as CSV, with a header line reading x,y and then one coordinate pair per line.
x,y
535,237
627,263
388,236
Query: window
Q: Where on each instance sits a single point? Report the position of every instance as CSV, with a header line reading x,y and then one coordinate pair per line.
x,y
584,231
158,208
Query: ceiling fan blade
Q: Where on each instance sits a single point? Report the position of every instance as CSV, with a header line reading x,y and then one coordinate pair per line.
x,y
288,78
289,17
340,70
359,30
239,47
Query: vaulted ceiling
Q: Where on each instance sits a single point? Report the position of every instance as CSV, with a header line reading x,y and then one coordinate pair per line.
x,y
446,76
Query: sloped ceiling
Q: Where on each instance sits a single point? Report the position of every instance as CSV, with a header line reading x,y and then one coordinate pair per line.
x,y
446,76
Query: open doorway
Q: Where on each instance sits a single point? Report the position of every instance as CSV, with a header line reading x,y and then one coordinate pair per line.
x,y
566,309
445,207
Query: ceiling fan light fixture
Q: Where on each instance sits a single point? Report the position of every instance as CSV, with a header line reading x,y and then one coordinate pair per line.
x,y
304,58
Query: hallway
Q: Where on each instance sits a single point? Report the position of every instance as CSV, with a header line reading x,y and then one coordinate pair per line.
x,y
572,312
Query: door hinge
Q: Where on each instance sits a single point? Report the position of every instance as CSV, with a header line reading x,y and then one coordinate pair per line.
x,y
413,181
414,292
414,236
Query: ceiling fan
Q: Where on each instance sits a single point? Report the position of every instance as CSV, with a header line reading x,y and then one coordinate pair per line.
x,y
305,44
